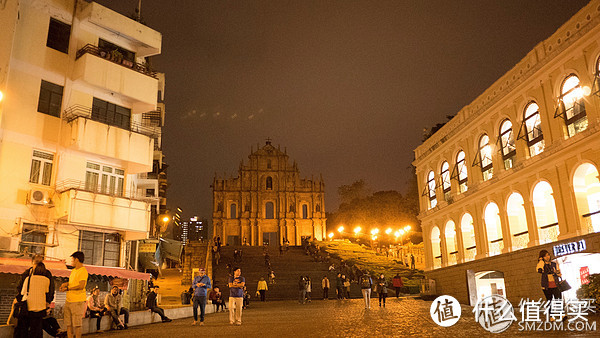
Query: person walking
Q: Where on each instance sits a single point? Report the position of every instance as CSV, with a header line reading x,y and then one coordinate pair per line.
x,y
75,302
96,307
382,289
346,287
200,284
152,304
114,308
308,289
236,296
325,285
34,291
262,288
412,261
301,290
366,284
397,284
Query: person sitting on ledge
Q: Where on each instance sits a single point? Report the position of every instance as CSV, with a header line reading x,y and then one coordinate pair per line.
x,y
152,305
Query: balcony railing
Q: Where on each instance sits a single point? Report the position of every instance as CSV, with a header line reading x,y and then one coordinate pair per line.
x,y
470,253
496,247
67,185
115,57
77,111
592,221
549,233
520,240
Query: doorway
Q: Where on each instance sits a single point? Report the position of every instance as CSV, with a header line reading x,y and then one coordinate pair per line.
x,y
271,238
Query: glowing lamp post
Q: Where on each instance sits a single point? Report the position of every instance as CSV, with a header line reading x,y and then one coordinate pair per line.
x,y
357,230
330,236
341,229
388,231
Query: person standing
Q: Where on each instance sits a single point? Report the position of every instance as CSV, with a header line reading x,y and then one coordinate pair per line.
x,y
301,290
114,307
95,307
75,302
398,284
236,296
382,289
34,291
325,284
308,289
339,284
262,288
366,284
152,304
346,286
412,261
550,277
200,284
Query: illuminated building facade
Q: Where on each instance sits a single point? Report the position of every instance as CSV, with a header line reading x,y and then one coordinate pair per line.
x,y
516,171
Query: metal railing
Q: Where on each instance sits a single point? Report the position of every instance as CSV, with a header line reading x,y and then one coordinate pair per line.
x,y
548,233
592,221
76,111
67,185
116,57
520,240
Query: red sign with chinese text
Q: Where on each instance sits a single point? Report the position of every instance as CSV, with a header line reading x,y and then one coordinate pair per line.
x,y
584,274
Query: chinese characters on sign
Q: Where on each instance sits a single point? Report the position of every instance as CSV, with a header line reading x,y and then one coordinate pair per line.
x,y
569,248
445,311
584,274
494,313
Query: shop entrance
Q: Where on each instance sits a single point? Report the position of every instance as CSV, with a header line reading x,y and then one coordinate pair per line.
x,y
485,283
576,268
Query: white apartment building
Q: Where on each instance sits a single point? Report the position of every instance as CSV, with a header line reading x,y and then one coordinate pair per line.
x,y
78,130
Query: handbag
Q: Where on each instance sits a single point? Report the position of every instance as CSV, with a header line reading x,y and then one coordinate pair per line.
x,y
563,285
21,310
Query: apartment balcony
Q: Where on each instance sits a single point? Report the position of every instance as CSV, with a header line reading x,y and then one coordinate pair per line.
x,y
134,145
108,70
144,40
124,212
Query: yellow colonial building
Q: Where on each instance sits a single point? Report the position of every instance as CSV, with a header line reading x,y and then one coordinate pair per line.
x,y
268,202
516,171
79,130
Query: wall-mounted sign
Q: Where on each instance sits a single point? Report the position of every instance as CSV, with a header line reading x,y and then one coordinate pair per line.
x,y
569,248
147,247
584,275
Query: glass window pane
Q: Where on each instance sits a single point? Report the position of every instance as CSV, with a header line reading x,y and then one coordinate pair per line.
x,y
34,174
47,174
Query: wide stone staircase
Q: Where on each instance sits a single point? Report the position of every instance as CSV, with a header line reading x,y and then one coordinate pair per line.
x,y
288,268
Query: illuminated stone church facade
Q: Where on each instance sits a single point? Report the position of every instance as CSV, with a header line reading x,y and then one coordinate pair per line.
x,y
268,202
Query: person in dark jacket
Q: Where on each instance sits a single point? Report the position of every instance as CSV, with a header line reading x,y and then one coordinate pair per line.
x,y
35,289
339,284
152,305
382,289
550,277
398,284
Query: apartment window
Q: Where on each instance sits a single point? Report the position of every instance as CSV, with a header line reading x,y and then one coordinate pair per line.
x,y
269,210
150,192
507,142
110,47
431,189
304,211
269,183
571,106
100,248
484,157
33,238
445,175
531,129
112,114
233,210
460,171
104,179
41,168
50,99
58,36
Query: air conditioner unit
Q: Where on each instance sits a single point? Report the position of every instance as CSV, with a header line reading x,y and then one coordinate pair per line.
x,y
39,197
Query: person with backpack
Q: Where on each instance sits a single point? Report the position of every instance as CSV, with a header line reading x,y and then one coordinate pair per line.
x,y
366,284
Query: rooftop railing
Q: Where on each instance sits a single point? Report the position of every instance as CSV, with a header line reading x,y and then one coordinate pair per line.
x,y
116,57
79,111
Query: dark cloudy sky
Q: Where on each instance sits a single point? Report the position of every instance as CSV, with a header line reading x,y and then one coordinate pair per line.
x,y
347,86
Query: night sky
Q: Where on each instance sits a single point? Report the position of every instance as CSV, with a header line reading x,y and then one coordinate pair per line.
x,y
347,86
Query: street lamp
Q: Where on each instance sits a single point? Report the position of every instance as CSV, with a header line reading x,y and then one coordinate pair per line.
x,y
330,236
388,231
165,219
341,229
374,231
357,230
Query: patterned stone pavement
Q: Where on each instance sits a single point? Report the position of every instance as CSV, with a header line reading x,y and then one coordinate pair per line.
x,y
331,318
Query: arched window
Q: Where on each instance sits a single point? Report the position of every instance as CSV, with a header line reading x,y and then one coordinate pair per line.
x,y
468,235
507,142
545,212
460,171
269,183
304,211
493,229
532,131
269,210
445,174
233,210
571,106
450,233
517,221
587,194
485,157
436,247
431,189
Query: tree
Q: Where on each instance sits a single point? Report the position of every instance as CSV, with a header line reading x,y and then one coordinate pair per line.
x,y
356,190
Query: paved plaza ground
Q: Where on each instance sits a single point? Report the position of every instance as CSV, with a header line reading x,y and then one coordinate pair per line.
x,y
332,318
